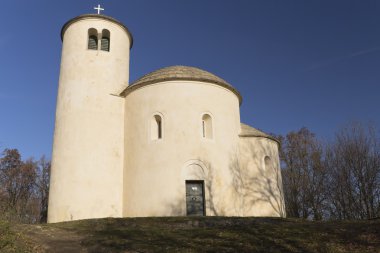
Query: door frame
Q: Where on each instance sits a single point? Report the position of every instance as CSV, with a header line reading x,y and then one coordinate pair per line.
x,y
203,194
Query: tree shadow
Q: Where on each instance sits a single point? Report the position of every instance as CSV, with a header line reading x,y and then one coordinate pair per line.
x,y
209,182
254,185
252,189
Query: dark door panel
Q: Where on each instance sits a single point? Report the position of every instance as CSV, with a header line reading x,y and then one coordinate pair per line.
x,y
194,198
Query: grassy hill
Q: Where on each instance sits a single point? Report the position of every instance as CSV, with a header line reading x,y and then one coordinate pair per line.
x,y
198,234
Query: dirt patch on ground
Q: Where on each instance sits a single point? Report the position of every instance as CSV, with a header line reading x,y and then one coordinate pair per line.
x,y
43,238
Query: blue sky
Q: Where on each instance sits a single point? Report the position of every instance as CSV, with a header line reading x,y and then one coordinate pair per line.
x,y
297,63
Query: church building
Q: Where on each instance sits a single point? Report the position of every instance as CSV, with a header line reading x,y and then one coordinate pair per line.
x,y
168,144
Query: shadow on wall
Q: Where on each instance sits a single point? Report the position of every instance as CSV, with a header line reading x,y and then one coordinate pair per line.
x,y
253,189
208,175
197,170
176,208
257,183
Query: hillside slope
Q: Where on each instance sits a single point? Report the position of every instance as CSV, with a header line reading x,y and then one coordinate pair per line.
x,y
185,234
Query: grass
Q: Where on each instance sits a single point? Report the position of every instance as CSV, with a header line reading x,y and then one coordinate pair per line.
x,y
194,234
11,241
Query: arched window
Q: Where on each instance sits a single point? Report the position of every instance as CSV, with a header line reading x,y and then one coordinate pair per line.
x,y
268,163
92,39
207,126
156,127
105,42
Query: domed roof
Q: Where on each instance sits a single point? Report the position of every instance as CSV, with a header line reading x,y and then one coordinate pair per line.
x,y
180,73
173,73
248,131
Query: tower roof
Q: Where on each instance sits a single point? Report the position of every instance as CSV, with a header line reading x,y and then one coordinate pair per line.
x,y
174,73
96,16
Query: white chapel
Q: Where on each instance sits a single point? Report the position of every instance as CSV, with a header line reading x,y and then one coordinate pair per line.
x,y
168,144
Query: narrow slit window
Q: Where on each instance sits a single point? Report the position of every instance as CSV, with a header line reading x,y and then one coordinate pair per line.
x,y
105,42
159,130
207,126
268,164
203,129
156,127
92,39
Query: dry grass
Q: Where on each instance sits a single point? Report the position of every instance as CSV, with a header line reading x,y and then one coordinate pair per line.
x,y
198,234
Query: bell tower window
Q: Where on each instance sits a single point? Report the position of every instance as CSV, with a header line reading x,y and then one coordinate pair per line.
x,y
92,39
105,42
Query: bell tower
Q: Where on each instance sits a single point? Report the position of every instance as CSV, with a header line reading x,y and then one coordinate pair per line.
x,y
88,148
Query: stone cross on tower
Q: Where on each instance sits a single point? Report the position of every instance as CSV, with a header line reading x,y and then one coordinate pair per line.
x,y
98,8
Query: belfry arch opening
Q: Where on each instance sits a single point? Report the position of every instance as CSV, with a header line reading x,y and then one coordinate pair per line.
x,y
92,43
105,41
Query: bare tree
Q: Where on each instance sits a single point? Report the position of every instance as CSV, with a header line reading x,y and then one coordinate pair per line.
x,y
27,207
339,181
23,187
304,174
17,179
353,161
42,183
10,164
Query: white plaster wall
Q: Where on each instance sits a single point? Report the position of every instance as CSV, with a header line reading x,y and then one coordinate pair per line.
x,y
257,188
88,150
155,171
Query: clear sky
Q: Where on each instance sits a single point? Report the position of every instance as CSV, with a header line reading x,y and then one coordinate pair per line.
x,y
313,63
